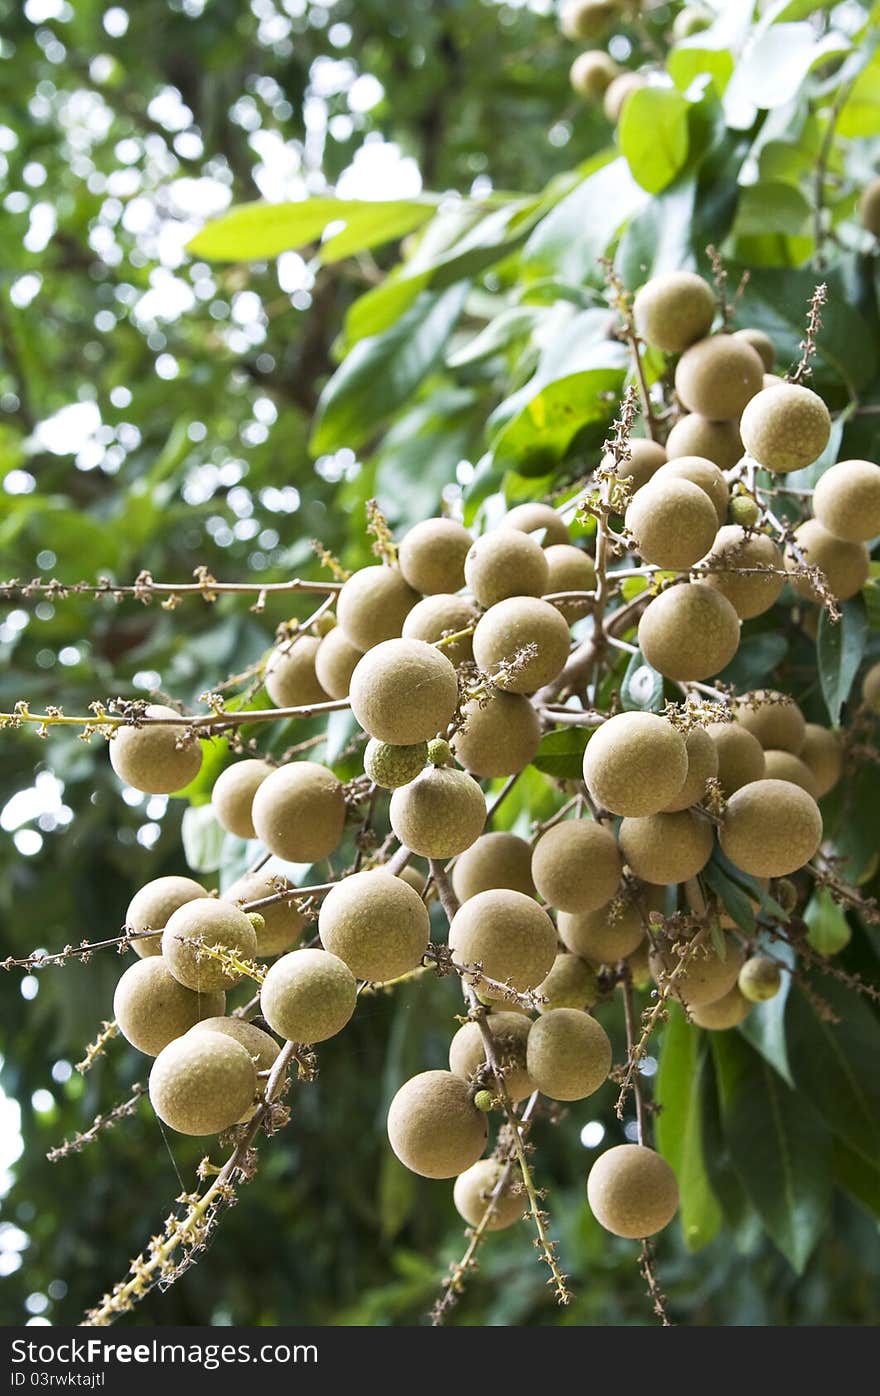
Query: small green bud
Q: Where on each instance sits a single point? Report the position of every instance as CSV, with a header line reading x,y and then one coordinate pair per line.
x,y
258,922
323,625
439,753
744,511
393,766
483,1101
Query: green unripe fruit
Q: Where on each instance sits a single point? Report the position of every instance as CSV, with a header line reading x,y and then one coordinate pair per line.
x,y
634,764
702,766
695,435
373,604
871,688
507,562
151,908
762,345
689,632
233,795
847,566
773,717
618,94
570,569
591,73
537,518
156,759
698,470
785,427
403,691
499,737
323,625
308,996
508,934
667,847
822,752
260,1047
392,766
440,813
483,1101
282,923
645,459
290,676
587,19
433,1126
673,522
467,1052
431,556
509,628
740,755
674,310
568,1054
211,923
299,812
869,207
202,1083
786,894
744,511
605,935
495,860
783,765
576,865
632,1191
571,983
760,979
376,923
435,616
705,978
771,828
474,1188
439,752
335,663
750,593
846,500
718,376
152,1008
723,1013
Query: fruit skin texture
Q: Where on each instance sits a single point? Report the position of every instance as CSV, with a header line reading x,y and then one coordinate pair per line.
x,y
433,1127
506,562
705,977
532,518
782,765
151,907
571,983
695,435
202,1083
403,691
508,628
698,470
152,1008
740,755
282,924
722,1013
431,555
591,73
233,795
760,979
499,738
440,813
508,934
675,310
689,632
871,688
587,19
847,566
299,812
335,662
257,1043
467,1052
392,766
308,996
148,759
750,593
495,860
618,93
475,1186
785,427
570,569
635,763
632,1191
215,923
667,847
773,717
290,676
673,522
603,936
846,500
771,828
433,615
576,865
373,604
718,376
702,766
646,458
376,924
762,344
823,754
869,207
568,1054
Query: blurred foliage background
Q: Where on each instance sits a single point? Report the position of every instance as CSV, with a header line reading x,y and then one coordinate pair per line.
x,y
156,412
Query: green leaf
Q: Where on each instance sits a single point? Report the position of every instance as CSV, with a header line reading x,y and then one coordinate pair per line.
x,y
774,68
561,754
658,239
653,135
694,59
642,686
860,113
857,1177
755,660
828,930
202,838
679,1131
732,897
250,232
540,435
569,240
509,326
836,1064
764,1028
839,651
772,206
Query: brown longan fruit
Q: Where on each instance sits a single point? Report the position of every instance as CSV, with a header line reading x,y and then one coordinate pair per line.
x,y
822,752
673,522
260,1047
773,717
431,556
508,934
299,812
587,19
499,737
433,1126
645,459
571,983
689,632
702,758
723,1013
869,207
576,865
376,923
440,813
632,1191
156,759
750,593
152,1008
335,661
846,500
570,569
282,923
770,828
740,755
495,860
591,73
568,1054
705,976
604,936
202,1083
233,795
701,471
308,996
667,847
718,376
474,1188
213,923
373,604
871,688
618,93
695,435
762,344
508,628
785,427
783,765
435,616
510,1031
290,675
152,906
847,566
760,979
506,562
635,763
537,518
403,691
674,310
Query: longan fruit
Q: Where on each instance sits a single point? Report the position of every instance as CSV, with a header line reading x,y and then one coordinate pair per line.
x,y
508,628
618,93
299,812
435,616
635,763
698,470
750,593
151,907
260,1047
695,435
846,501
335,661
645,459
202,1083
568,1054
431,556
705,976
740,755
499,737
773,717
373,604
667,847
762,344
871,688
392,766
744,510
869,207
632,1191
290,676
495,860
770,828
152,1008
433,1126
674,310
308,996
282,923
723,1013
570,569
702,758
785,427
213,923
783,765
591,74
760,979
403,691
604,936
233,795
535,517
474,1188
376,924
508,934
672,521
576,865
571,983
587,19
440,813
506,562
467,1052
689,632
823,754
157,760
718,376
